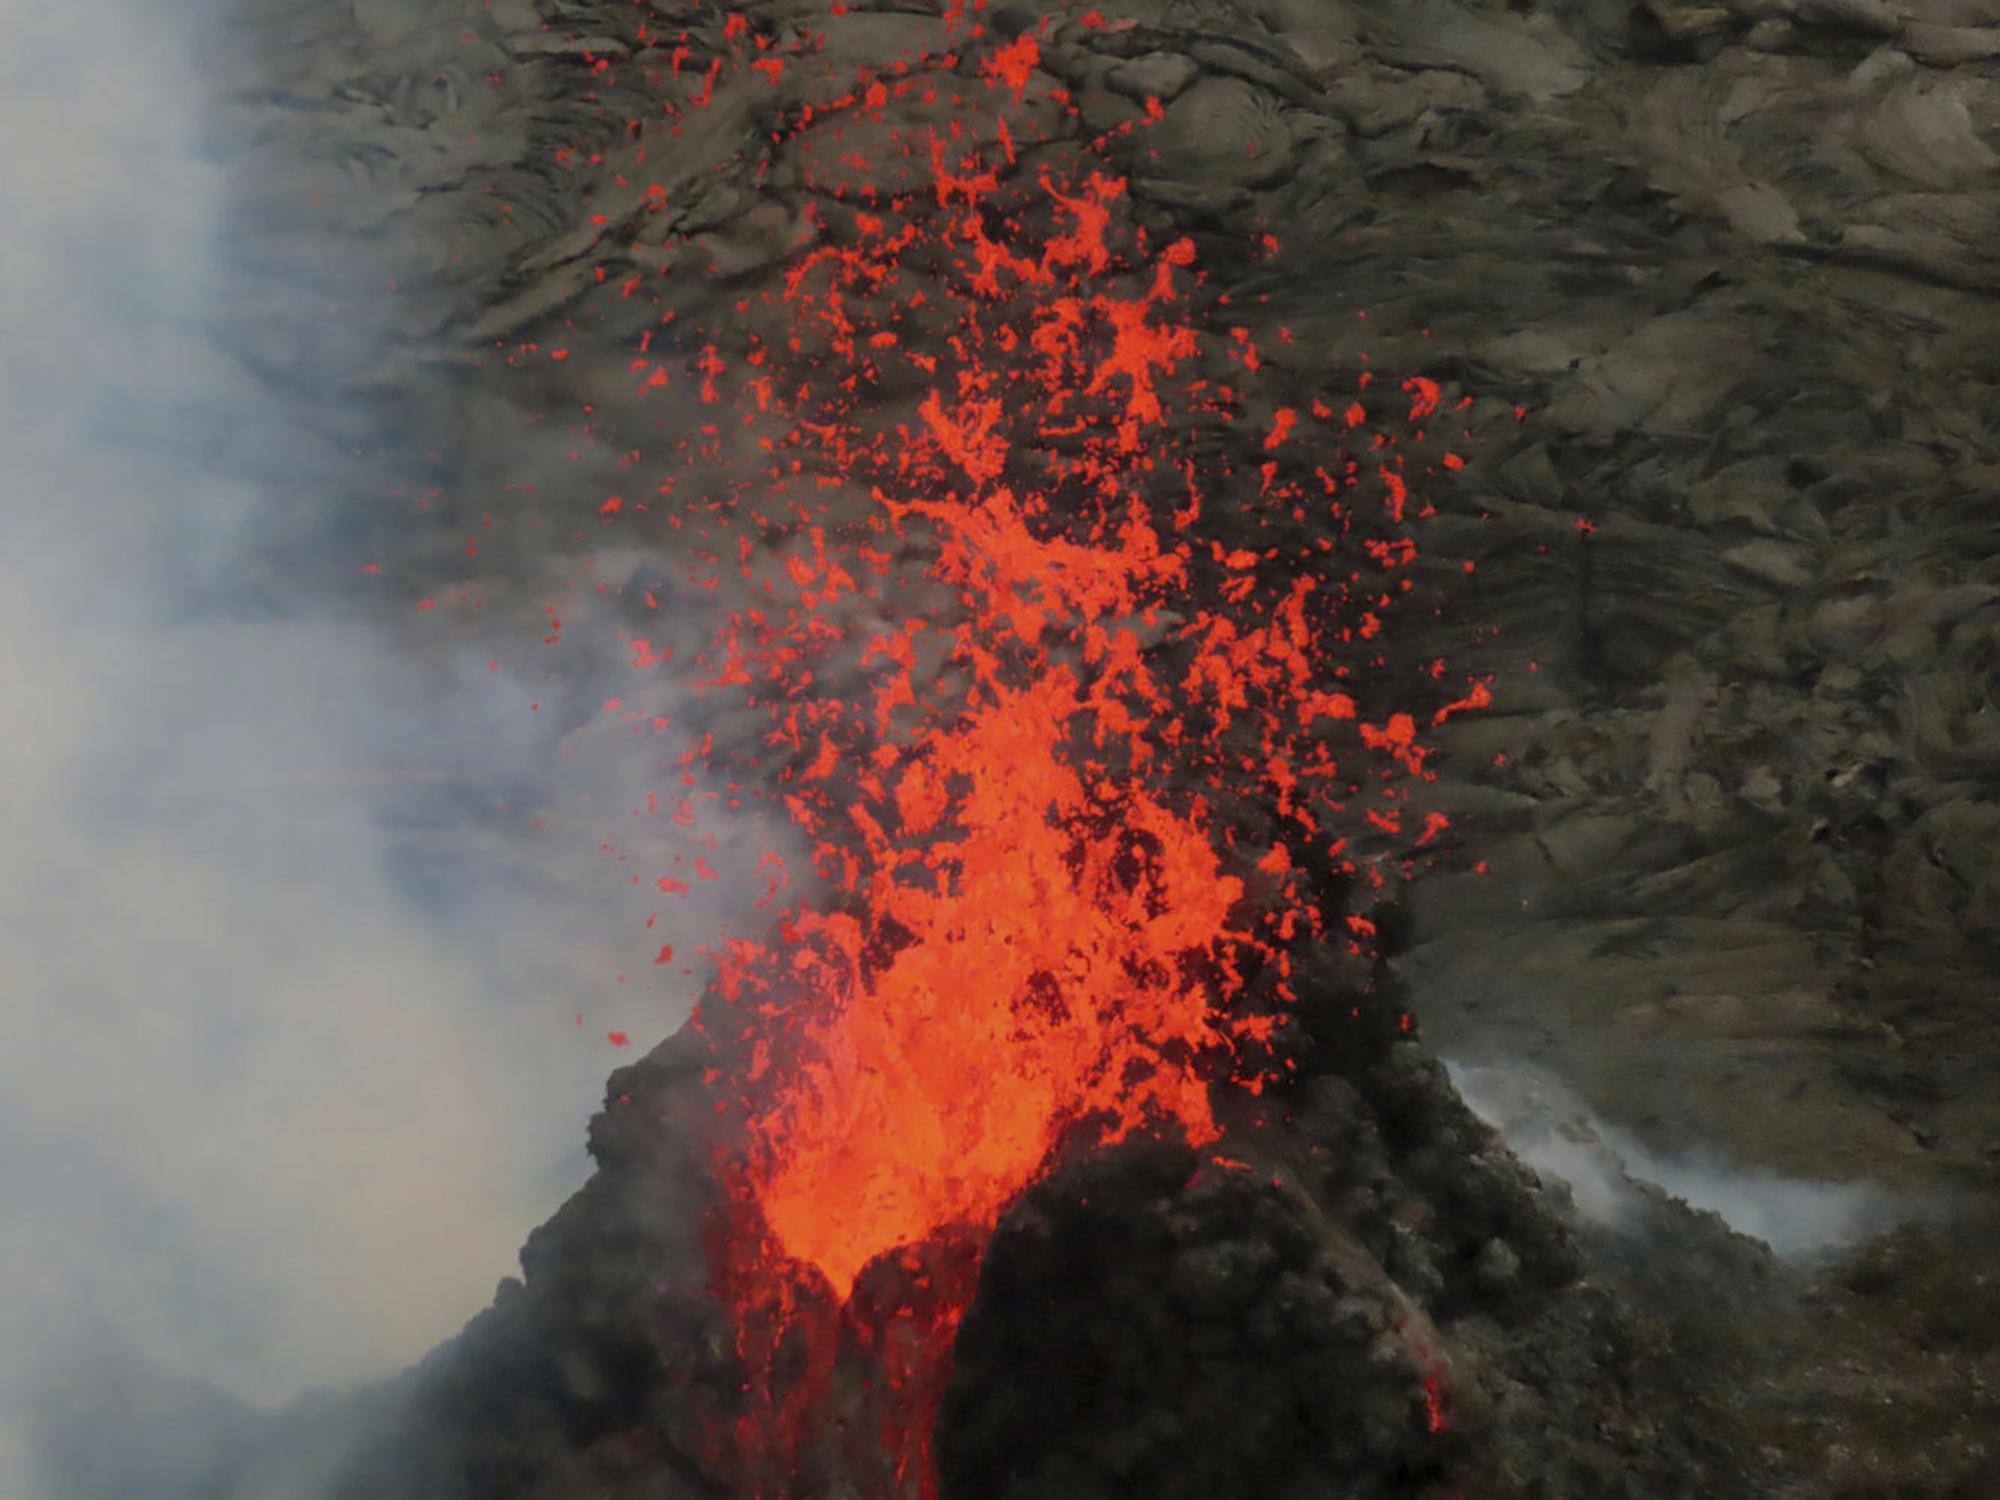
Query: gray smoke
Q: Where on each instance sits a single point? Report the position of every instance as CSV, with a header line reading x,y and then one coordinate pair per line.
x,y
290,1057
1549,1128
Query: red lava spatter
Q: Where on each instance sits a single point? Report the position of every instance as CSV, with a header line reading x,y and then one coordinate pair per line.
x,y
1039,936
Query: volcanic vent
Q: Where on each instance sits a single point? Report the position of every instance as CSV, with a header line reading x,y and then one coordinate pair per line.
x,y
1357,1291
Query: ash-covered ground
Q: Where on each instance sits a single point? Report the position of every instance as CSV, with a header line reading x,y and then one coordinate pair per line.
x,y
1716,282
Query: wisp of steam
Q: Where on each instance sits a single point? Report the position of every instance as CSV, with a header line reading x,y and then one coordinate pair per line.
x,y
1550,1129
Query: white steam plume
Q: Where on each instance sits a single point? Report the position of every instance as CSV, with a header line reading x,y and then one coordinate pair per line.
x,y
289,1061
1547,1127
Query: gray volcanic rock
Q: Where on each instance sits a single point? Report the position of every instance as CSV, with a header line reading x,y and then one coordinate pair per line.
x,y
1223,132
1156,75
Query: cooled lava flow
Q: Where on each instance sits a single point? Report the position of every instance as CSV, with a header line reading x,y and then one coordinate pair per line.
x,y
1010,706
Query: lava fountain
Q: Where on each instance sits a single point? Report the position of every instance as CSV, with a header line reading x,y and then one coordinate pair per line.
x,y
1011,706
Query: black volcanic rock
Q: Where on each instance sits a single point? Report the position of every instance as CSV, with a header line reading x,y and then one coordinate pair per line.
x,y
1193,1333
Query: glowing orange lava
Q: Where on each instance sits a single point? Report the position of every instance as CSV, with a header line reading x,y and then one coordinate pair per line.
x,y
1038,988
1042,925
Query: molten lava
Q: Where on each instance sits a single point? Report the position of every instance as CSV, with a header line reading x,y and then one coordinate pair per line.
x,y
1036,988
1041,928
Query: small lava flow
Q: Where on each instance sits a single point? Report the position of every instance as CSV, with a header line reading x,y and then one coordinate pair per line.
x,y
1009,704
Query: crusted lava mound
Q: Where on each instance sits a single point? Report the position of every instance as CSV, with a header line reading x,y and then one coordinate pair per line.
x,y
1325,1315
1192,1329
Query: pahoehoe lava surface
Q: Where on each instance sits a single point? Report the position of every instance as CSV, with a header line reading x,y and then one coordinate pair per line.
x,y
1710,297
